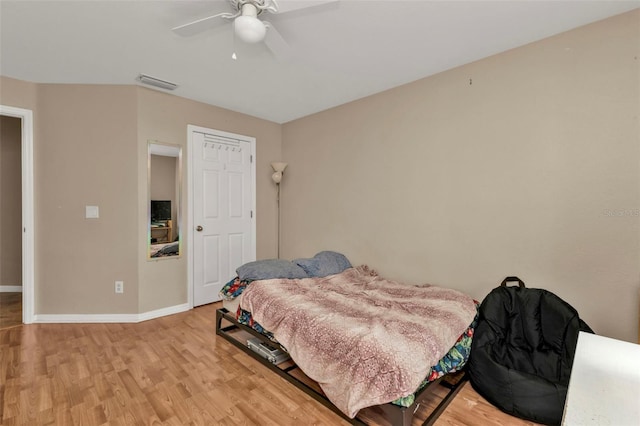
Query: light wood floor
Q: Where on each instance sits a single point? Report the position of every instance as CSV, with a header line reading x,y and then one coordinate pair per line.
x,y
166,371
10,309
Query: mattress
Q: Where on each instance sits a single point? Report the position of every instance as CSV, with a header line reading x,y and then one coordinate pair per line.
x,y
451,362
231,305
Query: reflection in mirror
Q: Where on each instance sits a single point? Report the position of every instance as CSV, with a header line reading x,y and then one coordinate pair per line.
x,y
164,183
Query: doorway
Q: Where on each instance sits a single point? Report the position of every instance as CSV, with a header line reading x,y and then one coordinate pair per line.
x,y
10,222
222,202
26,241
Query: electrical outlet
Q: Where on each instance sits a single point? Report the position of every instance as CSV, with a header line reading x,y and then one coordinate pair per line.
x,y
119,286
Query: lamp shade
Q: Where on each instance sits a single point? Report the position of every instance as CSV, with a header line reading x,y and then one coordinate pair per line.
x,y
278,166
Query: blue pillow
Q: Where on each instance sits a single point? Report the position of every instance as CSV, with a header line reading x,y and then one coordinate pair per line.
x,y
324,263
270,268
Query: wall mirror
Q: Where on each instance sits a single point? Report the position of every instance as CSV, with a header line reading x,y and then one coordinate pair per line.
x,y
164,173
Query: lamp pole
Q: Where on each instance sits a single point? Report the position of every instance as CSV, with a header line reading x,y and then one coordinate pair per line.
x,y
278,171
278,204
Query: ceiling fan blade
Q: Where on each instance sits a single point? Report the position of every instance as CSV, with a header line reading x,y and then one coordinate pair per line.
x,y
195,27
274,41
285,6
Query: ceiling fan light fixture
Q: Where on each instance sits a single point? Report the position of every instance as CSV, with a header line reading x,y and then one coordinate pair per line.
x,y
249,29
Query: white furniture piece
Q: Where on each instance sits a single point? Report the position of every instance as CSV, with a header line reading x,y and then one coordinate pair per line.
x,y
604,388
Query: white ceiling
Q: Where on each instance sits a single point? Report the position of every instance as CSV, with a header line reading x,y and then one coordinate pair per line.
x,y
340,51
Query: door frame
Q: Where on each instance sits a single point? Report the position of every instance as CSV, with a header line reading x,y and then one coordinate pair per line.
x,y
190,221
28,256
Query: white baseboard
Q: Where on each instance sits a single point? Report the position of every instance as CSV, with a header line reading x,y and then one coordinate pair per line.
x,y
84,318
10,289
145,316
104,318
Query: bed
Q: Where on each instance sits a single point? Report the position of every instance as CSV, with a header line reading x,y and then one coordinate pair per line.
x,y
164,249
366,341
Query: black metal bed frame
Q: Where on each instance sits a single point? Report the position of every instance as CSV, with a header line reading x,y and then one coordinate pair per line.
x,y
395,414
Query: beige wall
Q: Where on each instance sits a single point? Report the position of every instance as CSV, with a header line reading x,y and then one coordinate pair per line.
x,y
90,148
18,94
164,118
10,202
86,155
525,163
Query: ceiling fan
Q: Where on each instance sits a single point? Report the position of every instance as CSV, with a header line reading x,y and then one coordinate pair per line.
x,y
246,24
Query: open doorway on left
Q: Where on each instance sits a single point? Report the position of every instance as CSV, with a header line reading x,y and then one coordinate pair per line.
x,y
10,221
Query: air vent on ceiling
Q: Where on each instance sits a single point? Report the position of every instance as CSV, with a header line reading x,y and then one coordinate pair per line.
x,y
156,82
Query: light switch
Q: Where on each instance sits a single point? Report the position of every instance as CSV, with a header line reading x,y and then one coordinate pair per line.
x,y
91,212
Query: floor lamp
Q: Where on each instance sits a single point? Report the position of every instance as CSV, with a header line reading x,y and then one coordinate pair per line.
x,y
278,171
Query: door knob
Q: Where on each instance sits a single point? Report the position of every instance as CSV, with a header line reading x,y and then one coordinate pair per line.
x,y
199,228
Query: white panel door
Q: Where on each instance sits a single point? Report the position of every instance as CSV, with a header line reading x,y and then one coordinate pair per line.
x,y
222,212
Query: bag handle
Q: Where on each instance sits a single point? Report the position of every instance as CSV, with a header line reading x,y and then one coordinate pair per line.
x,y
512,279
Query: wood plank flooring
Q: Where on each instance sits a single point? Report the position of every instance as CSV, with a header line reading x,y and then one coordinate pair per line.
x,y
167,371
10,309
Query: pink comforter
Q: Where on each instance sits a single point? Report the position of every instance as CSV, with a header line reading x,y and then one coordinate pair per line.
x,y
365,340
